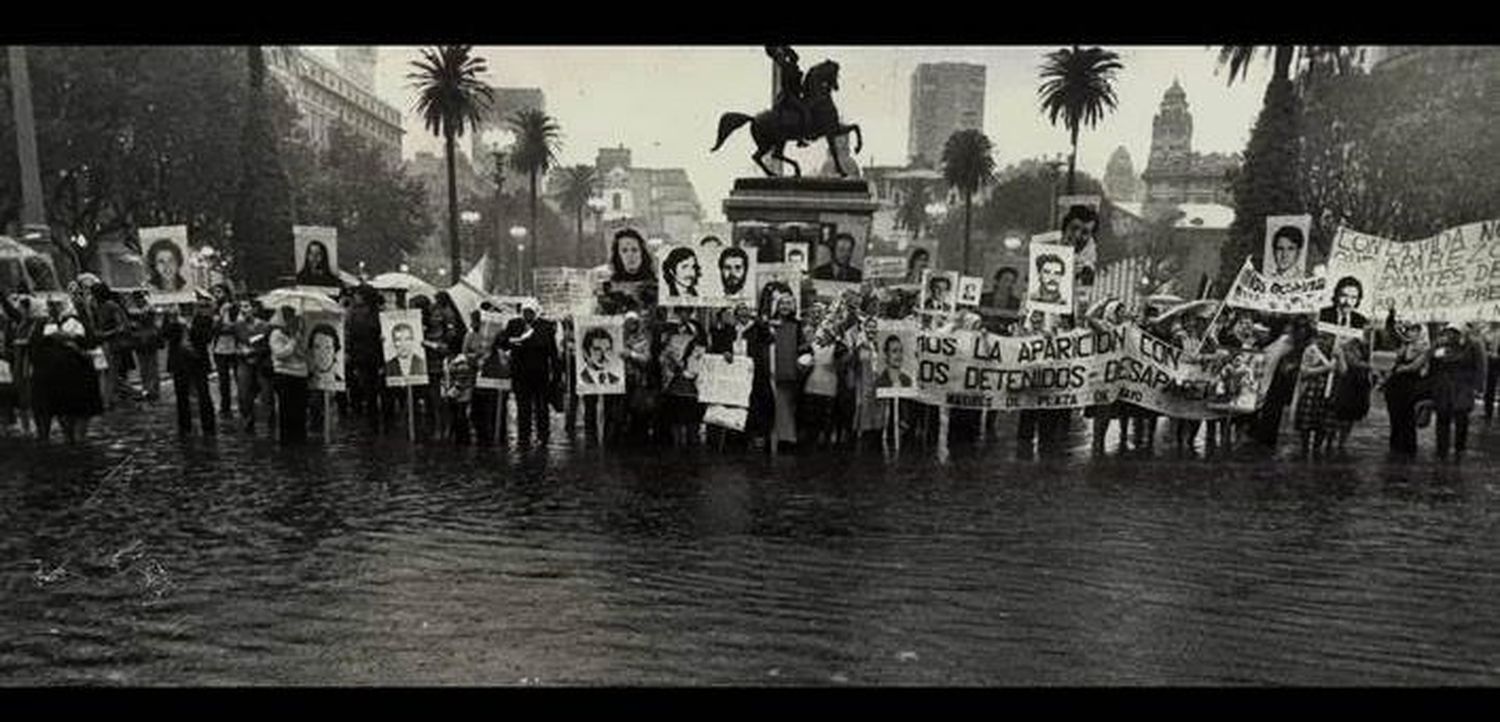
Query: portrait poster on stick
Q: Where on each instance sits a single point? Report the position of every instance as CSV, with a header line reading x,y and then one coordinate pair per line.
x,y
1050,286
969,290
564,292
726,383
167,275
600,368
679,277
325,350
920,256
896,349
885,270
494,370
795,253
316,256
401,340
1285,254
773,282
939,291
728,281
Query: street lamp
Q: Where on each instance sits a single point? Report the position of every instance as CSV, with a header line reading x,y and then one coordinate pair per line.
x,y
518,234
597,205
1013,243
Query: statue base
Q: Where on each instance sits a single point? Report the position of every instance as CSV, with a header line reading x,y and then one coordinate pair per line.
x,y
795,220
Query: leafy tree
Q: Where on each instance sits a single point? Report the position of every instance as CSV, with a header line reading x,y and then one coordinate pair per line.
x,y
580,183
379,211
535,151
451,99
136,136
1077,87
263,208
968,165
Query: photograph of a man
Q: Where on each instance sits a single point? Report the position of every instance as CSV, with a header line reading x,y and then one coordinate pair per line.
x,y
1050,270
734,271
938,292
1347,294
841,267
598,360
1286,246
893,354
406,362
1050,286
796,255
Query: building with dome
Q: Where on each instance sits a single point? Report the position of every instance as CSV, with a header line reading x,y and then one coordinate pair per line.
x,y
1175,174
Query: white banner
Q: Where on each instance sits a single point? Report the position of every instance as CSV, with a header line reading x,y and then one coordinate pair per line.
x,y
1293,296
726,383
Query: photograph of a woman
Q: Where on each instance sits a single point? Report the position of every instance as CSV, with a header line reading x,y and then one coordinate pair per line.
x,y
316,266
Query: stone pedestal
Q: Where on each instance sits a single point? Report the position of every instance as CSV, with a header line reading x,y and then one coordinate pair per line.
x,y
767,213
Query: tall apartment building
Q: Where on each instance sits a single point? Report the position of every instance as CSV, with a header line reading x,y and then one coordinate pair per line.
x,y
327,93
945,97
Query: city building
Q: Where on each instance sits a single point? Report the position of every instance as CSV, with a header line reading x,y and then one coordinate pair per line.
x,y
1175,174
658,202
326,94
945,97
1120,180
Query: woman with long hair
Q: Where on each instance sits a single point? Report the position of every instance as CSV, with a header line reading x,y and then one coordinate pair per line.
x,y
629,261
317,267
164,263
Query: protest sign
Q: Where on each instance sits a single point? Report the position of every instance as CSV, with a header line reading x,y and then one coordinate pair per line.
x,y
679,277
401,338
1079,226
1254,290
920,256
1285,253
1452,276
1050,286
1357,257
896,346
938,293
796,254
564,291
5,374
167,276
726,383
316,257
494,369
1075,369
728,417
774,281
885,270
325,350
600,368
969,290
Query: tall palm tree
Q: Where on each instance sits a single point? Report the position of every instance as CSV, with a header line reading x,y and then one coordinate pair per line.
x,y
534,152
451,99
1078,87
579,185
968,165
1237,59
497,176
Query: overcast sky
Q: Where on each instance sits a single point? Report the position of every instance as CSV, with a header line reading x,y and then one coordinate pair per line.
x,y
663,102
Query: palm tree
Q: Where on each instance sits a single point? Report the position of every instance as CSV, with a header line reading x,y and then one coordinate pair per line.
x,y
451,99
968,166
578,187
1077,86
534,152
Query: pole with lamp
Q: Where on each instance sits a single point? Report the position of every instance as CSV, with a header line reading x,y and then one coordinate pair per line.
x,y
597,205
937,211
470,220
518,234
1055,165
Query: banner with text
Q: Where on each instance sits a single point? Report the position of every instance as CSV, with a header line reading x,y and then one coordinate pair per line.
x,y
1255,290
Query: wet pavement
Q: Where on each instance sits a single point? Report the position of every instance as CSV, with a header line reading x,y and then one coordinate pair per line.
x,y
139,558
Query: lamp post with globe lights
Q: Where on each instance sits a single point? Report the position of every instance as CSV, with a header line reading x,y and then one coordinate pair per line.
x,y
597,205
518,234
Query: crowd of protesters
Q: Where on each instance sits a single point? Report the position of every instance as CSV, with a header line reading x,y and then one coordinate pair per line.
x,y
816,370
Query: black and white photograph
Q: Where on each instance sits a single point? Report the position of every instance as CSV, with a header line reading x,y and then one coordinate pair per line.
x,y
510,354
317,249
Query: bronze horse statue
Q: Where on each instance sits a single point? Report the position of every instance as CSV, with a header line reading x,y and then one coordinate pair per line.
x,y
772,128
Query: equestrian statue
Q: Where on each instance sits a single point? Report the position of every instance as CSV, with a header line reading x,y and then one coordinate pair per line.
x,y
803,111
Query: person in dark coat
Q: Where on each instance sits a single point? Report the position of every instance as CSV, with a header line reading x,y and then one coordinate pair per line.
x,y
1458,370
533,349
188,360
1406,385
65,385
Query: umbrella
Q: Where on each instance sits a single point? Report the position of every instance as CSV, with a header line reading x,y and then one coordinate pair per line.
x,y
300,299
395,281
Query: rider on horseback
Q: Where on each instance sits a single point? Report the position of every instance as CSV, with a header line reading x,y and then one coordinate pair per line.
x,y
790,96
